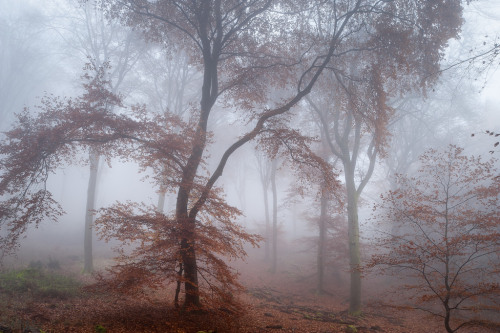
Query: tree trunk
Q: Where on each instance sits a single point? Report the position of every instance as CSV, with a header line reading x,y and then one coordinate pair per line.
x,y
275,217
188,251
88,266
322,242
183,216
161,201
191,288
354,250
267,243
178,286
186,219
447,318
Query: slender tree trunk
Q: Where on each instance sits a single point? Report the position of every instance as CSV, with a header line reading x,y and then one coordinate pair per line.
x,y
274,264
354,249
322,242
242,196
447,318
88,266
267,243
161,201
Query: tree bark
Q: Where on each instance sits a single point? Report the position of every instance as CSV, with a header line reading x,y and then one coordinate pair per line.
x,y
191,288
88,266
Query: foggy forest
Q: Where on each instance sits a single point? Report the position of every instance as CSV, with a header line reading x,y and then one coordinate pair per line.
x,y
249,166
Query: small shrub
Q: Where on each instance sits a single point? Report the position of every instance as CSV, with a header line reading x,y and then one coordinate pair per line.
x,y
351,329
100,329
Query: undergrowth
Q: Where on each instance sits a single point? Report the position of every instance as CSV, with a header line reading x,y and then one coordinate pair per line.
x,y
38,282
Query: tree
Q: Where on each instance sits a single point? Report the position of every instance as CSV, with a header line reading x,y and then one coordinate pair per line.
x,y
448,246
353,100
329,242
264,170
170,83
241,53
274,191
202,221
331,208
225,36
39,145
108,45
479,51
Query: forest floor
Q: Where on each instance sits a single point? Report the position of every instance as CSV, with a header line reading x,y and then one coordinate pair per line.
x,y
285,301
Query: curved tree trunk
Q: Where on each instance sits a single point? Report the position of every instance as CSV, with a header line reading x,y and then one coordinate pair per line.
x,y
186,218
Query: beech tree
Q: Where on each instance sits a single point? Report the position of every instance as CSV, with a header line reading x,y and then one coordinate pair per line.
x,y
353,100
448,246
264,170
40,144
190,243
274,191
326,212
241,47
104,43
226,36
88,36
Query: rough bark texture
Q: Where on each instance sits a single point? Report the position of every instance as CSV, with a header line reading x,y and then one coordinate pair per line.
x,y
192,297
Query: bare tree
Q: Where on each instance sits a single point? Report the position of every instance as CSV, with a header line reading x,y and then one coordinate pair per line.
x,y
449,246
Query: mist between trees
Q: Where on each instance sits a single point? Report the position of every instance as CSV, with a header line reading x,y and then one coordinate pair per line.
x,y
191,135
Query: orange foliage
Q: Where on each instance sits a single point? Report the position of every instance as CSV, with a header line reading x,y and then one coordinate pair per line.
x,y
448,241
243,48
39,144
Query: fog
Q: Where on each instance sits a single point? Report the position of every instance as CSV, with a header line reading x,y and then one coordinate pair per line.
x,y
305,251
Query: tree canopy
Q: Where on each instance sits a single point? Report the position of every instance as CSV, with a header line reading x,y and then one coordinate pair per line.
x,y
243,48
